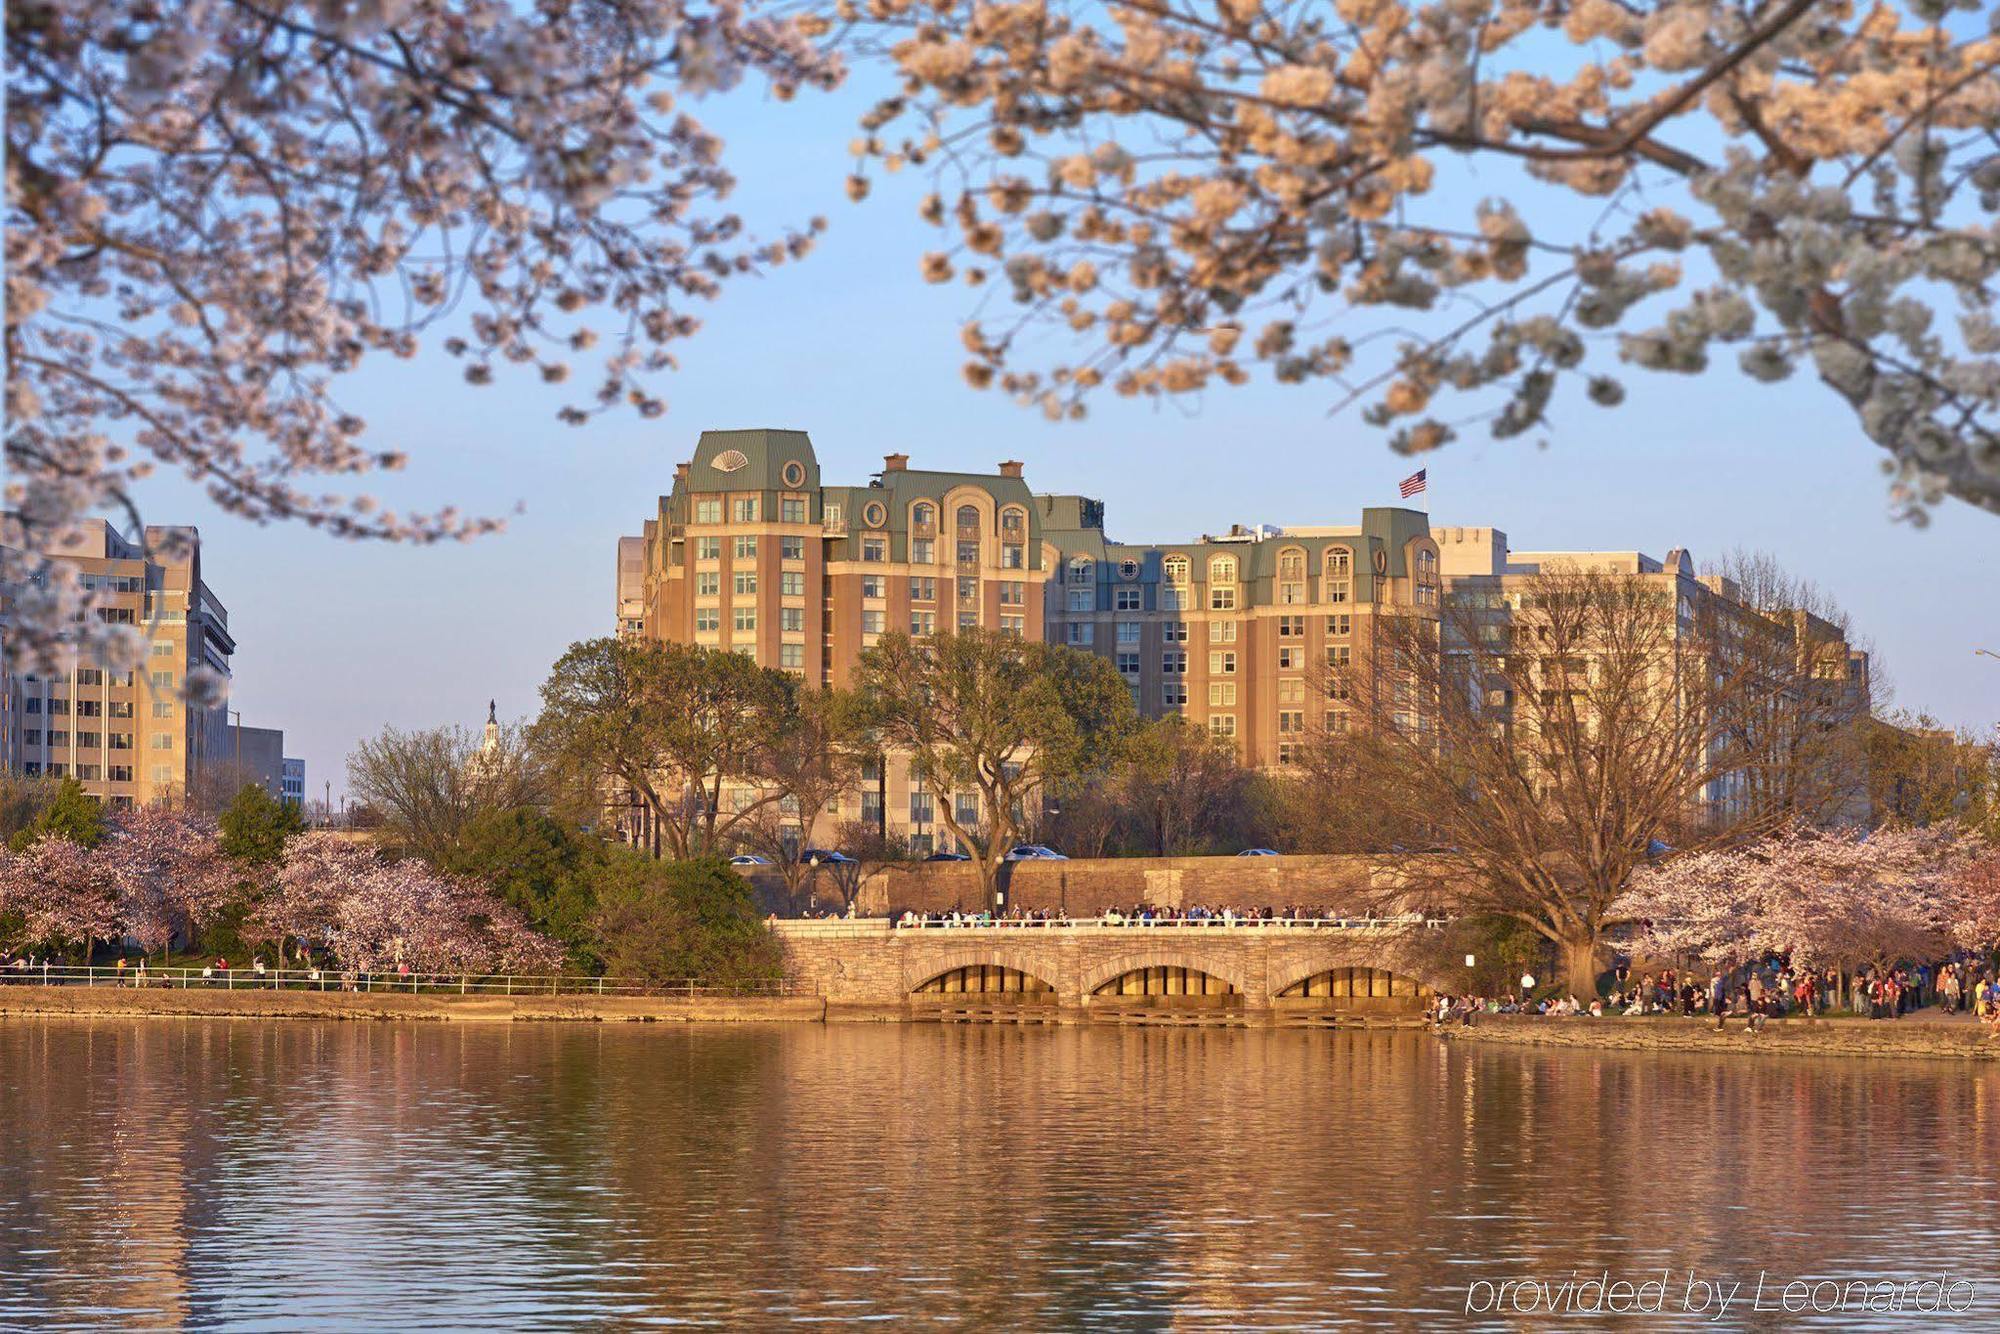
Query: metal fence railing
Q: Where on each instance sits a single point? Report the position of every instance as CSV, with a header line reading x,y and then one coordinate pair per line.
x,y
356,980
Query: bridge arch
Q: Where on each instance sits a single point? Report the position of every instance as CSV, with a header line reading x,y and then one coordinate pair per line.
x,y
1184,962
1359,985
995,969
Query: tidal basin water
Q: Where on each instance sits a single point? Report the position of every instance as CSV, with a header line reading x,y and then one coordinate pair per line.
x,y
215,1174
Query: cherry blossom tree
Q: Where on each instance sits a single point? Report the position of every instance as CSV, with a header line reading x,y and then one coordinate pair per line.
x,y
218,208
168,873
1193,189
63,892
1843,898
373,915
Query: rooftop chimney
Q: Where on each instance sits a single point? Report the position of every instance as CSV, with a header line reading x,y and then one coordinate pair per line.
x,y
1011,468
681,471
895,462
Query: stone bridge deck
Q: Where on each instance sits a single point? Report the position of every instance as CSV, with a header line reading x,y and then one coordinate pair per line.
x,y
1073,973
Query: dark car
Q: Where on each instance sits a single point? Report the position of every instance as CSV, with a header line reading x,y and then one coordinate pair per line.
x,y
947,857
825,857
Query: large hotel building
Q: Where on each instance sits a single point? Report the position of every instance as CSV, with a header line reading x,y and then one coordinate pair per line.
x,y
1254,634
129,737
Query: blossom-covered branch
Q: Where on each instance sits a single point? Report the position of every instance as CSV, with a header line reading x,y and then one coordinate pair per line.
x,y
217,208
1193,188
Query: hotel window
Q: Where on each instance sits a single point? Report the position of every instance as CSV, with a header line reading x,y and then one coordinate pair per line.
x,y
923,551
968,553
32,768
161,740
90,740
34,704
57,769
119,740
1080,632
874,550
1222,632
1128,663
923,590
832,515
1013,522
1291,627
1174,569
745,583
163,708
968,518
1339,625
792,656
1222,724
1016,626
1013,556
968,590
792,509
746,548
1339,655
1128,632
968,620
1336,720
923,623
1291,658
120,773
1222,570
162,648
1288,752
1221,694
1292,691
87,772
1339,564
1173,695
791,548
708,548
1174,599
1291,595
1221,664
89,708
1013,593
871,585
1292,564
965,808
792,620
744,619
121,708
58,705
1126,599
871,622
923,516
1079,570
1174,632
746,509
89,676
1336,687
1222,598
1173,662
708,511
792,583
158,680
1081,599
708,584
31,736
163,773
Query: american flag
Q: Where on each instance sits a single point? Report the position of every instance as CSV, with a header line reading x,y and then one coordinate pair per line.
x,y
1414,483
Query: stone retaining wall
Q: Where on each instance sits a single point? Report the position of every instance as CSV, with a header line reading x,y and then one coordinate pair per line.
x,y
1922,1038
249,1003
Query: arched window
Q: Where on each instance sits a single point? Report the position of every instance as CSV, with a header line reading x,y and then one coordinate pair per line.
x,y
1174,569
923,516
1079,569
968,518
1013,522
1339,563
1292,576
1222,570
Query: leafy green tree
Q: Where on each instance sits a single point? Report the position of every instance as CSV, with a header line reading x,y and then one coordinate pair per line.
x,y
71,814
675,724
545,869
255,826
668,921
1005,717
22,799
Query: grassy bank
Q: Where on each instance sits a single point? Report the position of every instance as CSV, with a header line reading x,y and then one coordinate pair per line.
x,y
254,1003
1936,1038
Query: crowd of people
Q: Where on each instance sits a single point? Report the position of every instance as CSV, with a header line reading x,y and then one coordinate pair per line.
x,y
1138,914
1769,989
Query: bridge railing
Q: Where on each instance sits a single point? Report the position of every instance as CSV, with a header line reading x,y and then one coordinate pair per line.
x,y
1405,921
354,980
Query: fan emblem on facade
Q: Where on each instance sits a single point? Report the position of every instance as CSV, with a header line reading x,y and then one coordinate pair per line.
x,y
729,460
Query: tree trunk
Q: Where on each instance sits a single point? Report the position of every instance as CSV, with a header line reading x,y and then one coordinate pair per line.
x,y
1580,970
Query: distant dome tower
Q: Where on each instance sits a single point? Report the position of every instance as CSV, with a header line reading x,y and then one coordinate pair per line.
x,y
491,743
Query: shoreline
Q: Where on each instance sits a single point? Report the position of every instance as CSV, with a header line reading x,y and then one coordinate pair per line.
x,y
1958,1040
1939,1038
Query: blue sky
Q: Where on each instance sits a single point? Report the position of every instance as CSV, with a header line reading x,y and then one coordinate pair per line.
x,y
337,639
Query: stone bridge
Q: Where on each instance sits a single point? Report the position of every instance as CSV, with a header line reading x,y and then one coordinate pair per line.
x,y
1266,973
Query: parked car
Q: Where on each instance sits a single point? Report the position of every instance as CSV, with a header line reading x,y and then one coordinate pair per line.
x,y
749,859
1258,852
947,857
825,857
1034,852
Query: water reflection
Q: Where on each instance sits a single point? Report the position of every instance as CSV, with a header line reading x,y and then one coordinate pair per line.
x,y
208,1173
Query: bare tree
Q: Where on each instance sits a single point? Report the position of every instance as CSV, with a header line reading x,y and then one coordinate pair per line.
x,y
429,784
814,759
1540,743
